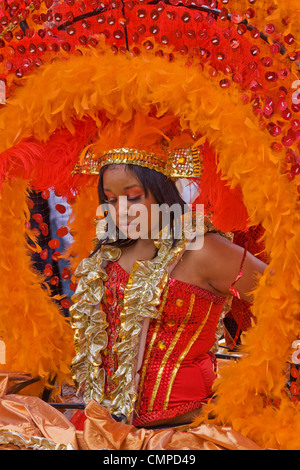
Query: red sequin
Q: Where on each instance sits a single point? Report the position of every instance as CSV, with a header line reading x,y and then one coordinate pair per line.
x,y
54,243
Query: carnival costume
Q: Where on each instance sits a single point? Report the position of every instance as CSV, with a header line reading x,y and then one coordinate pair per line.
x,y
229,123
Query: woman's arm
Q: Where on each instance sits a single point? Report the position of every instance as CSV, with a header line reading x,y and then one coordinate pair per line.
x,y
225,265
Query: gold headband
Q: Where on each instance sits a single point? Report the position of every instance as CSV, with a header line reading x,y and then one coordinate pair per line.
x,y
181,163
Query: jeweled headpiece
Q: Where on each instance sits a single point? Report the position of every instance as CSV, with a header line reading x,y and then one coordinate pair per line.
x,y
182,163
144,141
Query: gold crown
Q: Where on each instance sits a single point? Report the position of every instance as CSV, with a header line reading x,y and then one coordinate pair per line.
x,y
181,163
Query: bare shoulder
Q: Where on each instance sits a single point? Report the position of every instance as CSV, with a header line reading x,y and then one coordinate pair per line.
x,y
216,246
216,252
219,261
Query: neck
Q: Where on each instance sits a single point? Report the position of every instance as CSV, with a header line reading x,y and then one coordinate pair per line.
x,y
141,250
145,244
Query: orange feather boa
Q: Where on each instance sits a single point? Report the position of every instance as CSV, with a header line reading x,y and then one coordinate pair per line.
x,y
37,337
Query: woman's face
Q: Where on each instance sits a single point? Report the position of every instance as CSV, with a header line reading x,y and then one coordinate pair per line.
x,y
131,210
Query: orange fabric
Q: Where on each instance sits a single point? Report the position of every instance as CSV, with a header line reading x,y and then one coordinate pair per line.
x,y
31,417
102,431
9,379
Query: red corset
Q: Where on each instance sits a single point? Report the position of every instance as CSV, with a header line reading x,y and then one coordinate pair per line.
x,y
178,371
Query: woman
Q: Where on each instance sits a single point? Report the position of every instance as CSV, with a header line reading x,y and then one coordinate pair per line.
x,y
146,309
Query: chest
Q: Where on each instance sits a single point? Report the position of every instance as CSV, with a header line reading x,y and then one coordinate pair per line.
x,y
180,301
189,269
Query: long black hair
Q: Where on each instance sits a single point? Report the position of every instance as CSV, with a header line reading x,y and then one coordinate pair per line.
x,y
162,188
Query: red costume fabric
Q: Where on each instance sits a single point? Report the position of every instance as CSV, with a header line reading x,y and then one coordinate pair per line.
x,y
178,369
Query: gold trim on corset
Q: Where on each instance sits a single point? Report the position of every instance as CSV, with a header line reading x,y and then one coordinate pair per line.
x,y
170,350
182,356
162,306
142,294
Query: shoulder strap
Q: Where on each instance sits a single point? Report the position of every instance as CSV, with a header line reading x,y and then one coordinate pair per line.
x,y
232,290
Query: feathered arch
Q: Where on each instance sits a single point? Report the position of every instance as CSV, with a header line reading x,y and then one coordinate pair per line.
x,y
241,152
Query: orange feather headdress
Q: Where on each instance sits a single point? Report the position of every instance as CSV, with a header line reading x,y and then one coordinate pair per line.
x,y
144,141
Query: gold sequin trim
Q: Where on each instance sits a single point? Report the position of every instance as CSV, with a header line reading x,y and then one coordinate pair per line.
x,y
149,350
183,355
142,296
91,164
170,350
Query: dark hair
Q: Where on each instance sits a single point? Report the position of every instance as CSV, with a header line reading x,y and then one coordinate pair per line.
x,y
160,186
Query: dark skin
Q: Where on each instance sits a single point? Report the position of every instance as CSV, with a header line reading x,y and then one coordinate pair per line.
x,y
214,267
